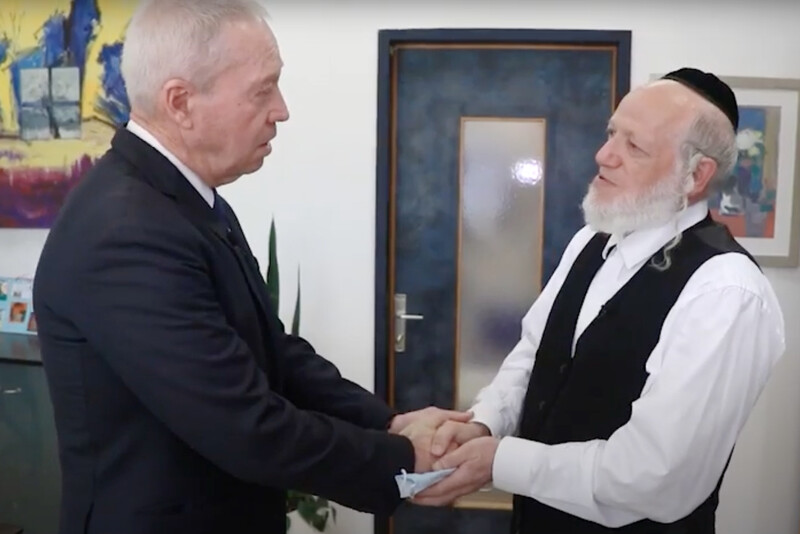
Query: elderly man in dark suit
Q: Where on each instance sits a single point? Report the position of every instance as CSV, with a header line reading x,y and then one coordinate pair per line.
x,y
180,403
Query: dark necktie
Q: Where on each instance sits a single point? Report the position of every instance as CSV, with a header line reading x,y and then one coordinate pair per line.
x,y
219,210
222,214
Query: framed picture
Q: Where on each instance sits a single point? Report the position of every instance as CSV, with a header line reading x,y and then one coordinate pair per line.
x,y
760,200
62,96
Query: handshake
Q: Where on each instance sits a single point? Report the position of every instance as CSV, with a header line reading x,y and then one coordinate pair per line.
x,y
445,439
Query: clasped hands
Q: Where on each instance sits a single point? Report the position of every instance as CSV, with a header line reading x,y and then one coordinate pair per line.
x,y
445,439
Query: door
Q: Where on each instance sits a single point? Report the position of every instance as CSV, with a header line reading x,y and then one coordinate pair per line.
x,y
486,143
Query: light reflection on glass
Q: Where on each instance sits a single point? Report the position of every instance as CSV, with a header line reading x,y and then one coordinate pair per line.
x,y
527,171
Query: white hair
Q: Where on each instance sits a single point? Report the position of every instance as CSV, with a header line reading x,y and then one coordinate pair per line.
x,y
169,39
710,134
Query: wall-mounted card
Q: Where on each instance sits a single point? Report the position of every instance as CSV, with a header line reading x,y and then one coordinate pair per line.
x,y
16,306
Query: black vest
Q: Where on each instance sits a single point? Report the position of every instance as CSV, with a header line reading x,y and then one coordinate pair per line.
x,y
588,396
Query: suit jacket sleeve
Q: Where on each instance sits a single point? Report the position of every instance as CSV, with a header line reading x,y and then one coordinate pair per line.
x,y
311,382
314,383
142,292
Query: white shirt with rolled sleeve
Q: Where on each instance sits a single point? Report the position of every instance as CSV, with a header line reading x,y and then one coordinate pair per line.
x,y
717,348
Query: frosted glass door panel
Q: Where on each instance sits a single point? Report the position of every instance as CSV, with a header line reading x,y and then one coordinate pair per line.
x,y
502,173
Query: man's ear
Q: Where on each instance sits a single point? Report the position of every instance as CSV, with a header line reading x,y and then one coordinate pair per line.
x,y
703,169
175,98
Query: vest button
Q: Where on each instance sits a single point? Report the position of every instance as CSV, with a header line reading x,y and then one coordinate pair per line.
x,y
541,405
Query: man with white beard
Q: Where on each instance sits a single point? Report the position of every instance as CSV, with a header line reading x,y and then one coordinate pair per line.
x,y
645,352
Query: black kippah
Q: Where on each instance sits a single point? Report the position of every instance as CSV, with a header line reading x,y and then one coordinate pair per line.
x,y
709,87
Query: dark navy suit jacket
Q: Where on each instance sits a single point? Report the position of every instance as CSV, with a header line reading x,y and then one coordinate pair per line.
x,y
181,405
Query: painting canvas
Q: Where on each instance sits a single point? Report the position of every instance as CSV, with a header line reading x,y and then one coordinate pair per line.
x,y
746,201
760,202
61,98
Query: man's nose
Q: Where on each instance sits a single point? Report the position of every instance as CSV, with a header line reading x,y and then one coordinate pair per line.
x,y
607,156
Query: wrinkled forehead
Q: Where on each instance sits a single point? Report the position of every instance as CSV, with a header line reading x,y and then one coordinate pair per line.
x,y
656,112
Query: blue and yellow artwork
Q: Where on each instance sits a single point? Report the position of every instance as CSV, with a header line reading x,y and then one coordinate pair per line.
x,y
61,98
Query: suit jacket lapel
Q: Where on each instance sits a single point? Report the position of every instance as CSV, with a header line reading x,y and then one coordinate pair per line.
x,y
160,173
249,266
157,171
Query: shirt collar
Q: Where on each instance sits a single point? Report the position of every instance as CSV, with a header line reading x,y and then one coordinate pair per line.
x,y
636,247
200,186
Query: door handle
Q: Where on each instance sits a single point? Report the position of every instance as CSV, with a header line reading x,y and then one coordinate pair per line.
x,y
400,318
15,391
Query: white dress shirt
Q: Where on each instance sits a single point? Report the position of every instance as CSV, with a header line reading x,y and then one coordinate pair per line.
x,y
205,191
717,347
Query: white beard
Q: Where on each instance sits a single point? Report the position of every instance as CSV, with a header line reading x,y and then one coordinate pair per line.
x,y
646,209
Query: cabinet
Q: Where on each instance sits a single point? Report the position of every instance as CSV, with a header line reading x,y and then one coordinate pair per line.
x,y
30,478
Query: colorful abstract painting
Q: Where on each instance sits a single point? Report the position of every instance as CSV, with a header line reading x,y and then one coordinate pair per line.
x,y
61,98
746,202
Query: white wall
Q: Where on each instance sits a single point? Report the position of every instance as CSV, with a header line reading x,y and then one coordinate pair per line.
x,y
320,185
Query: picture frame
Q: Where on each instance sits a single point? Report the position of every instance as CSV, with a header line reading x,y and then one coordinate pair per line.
x,y
760,201
62,97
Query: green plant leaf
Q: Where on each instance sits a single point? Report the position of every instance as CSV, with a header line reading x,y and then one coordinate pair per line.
x,y
292,500
314,512
273,277
296,318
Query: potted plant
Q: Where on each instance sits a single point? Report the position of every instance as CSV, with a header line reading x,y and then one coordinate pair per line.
x,y
315,511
